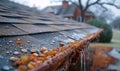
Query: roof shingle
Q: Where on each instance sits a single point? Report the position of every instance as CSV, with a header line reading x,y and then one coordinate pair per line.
x,y
35,29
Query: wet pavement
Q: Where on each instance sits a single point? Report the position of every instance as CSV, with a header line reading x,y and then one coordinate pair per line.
x,y
115,52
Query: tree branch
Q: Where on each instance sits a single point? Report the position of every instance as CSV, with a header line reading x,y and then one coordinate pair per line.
x,y
74,3
103,7
87,2
112,4
97,1
88,5
80,4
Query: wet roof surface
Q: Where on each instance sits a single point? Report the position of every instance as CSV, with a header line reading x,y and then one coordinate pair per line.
x,y
34,29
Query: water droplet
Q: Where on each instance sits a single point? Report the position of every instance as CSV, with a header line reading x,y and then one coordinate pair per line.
x,y
18,39
7,52
10,41
13,44
15,49
21,47
16,52
10,51
28,41
53,41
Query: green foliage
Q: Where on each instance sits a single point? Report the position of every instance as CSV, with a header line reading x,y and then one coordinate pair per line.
x,y
106,35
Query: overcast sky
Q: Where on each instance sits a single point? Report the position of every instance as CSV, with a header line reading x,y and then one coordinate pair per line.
x,y
40,4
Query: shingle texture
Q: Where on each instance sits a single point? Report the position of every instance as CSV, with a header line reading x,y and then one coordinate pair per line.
x,y
35,29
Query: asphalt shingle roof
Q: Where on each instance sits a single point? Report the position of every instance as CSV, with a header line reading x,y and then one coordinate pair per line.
x,y
35,29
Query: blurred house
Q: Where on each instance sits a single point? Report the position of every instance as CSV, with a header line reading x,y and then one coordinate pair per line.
x,y
68,11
